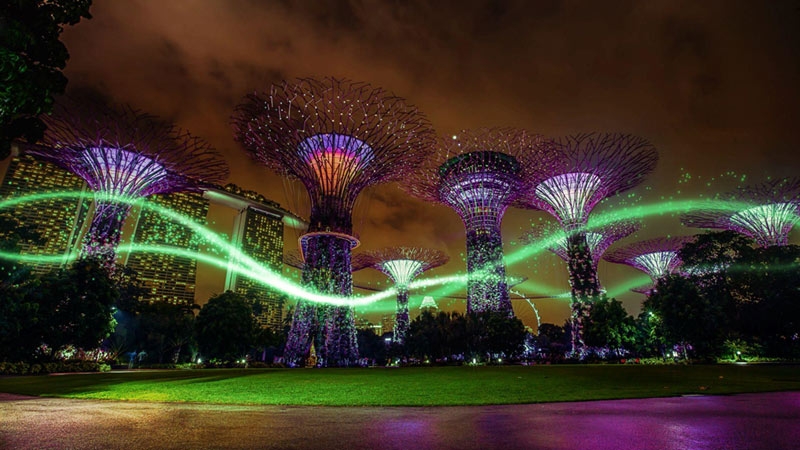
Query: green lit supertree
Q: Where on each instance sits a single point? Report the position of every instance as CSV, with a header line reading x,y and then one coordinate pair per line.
x,y
402,265
337,137
589,168
765,212
123,155
479,173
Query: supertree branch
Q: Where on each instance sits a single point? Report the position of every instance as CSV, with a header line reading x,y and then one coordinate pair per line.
x,y
478,173
767,212
337,137
598,239
123,155
120,151
655,257
589,168
402,265
294,258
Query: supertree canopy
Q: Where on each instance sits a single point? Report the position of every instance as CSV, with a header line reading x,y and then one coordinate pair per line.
x,y
590,168
478,174
402,265
123,155
597,239
656,257
767,212
337,137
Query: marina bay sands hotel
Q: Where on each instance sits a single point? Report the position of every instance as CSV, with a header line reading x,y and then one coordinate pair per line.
x,y
258,231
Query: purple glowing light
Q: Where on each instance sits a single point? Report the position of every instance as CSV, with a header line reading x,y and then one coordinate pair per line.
x,y
657,264
335,159
656,257
121,172
768,224
571,196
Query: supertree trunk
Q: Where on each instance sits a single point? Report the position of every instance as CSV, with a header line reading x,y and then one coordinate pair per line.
x,y
304,327
104,233
486,285
584,286
326,269
401,321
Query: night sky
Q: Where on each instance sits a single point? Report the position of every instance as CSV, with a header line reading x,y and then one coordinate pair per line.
x,y
713,85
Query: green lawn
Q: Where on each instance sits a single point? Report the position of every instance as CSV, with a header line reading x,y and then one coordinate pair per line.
x,y
411,386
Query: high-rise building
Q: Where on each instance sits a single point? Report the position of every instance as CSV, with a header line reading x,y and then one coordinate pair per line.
x,y
168,277
258,233
57,220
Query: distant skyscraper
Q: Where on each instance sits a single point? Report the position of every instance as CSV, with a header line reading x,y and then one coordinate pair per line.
x,y
168,278
258,233
58,221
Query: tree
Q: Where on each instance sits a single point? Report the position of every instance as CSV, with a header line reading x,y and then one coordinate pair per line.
x,y
685,317
505,336
225,327
770,310
610,326
164,330
71,306
425,337
31,60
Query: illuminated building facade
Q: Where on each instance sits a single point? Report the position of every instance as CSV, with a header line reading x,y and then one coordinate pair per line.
x,y
258,233
167,277
57,220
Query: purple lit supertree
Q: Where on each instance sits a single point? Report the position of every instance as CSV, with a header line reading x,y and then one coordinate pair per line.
x,y
598,239
337,137
478,174
123,155
402,265
294,258
765,212
656,257
590,168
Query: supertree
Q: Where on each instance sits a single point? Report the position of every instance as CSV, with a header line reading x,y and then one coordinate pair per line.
x,y
765,212
590,168
402,265
598,239
656,257
337,137
123,155
478,174
294,258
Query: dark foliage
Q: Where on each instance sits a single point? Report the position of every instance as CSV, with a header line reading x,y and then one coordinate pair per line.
x,y
31,60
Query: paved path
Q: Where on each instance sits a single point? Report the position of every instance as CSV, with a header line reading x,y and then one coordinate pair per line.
x,y
749,421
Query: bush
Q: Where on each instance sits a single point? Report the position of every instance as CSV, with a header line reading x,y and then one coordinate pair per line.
x,y
23,368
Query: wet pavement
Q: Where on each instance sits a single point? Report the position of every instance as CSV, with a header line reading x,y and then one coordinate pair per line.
x,y
749,421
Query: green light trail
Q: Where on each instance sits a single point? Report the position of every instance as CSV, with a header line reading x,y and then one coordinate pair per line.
x,y
446,285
